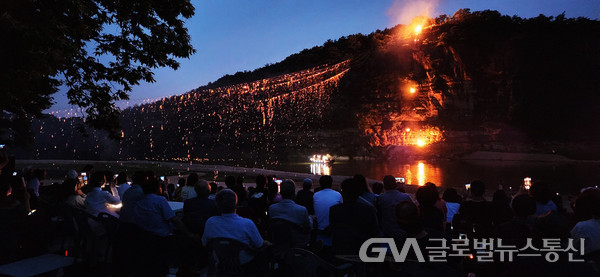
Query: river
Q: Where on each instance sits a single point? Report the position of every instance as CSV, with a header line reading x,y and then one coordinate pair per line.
x,y
563,177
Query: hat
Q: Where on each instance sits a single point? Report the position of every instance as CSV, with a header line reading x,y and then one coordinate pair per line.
x,y
72,174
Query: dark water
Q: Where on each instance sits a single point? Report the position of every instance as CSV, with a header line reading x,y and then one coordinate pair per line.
x,y
563,177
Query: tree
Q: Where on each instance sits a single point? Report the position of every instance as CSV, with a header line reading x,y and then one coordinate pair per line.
x,y
98,49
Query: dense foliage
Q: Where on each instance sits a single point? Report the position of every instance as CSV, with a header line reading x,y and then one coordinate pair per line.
x,y
97,49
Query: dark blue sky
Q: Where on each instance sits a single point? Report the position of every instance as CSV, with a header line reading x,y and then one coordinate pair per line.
x,y
238,35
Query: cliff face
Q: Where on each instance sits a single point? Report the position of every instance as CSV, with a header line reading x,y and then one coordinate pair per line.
x,y
472,81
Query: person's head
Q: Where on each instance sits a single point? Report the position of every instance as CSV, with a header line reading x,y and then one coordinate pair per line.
x,y
181,182
72,174
97,179
307,184
362,183
261,181
171,188
288,189
377,187
139,178
272,188
152,185
122,178
500,198
389,183
70,187
39,173
230,181
240,180
351,190
523,205
325,182
213,188
541,192
477,188
241,192
427,196
202,188
226,201
587,205
451,195
407,216
192,179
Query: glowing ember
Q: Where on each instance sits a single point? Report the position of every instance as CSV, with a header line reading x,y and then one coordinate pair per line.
x,y
413,90
421,143
407,130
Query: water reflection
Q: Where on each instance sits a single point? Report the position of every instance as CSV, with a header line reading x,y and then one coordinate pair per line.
x,y
320,169
418,173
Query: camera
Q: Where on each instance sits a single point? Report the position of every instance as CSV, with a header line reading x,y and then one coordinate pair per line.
x,y
400,180
467,186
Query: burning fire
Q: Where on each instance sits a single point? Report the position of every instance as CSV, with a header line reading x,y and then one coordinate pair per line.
x,y
413,90
418,30
420,142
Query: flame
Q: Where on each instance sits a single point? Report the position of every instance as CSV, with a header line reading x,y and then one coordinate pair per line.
x,y
418,29
421,142
413,90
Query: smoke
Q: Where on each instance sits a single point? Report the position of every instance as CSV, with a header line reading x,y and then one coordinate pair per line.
x,y
404,11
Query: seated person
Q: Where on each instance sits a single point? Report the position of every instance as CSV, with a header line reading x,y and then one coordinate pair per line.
x,y
153,214
289,211
542,194
431,217
71,192
589,230
352,222
305,196
97,200
475,215
197,210
230,225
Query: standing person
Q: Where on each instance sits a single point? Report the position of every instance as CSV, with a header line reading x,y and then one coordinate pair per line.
x,y
324,199
304,197
97,200
188,191
385,207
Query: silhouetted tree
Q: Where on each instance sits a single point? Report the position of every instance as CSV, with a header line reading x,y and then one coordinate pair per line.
x,y
97,49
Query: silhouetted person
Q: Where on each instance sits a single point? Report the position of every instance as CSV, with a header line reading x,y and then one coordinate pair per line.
x,y
476,213
352,222
304,197
385,208
543,197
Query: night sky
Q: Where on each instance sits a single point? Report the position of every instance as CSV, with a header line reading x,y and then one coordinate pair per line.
x,y
237,35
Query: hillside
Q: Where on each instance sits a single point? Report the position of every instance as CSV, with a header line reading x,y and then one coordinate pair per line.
x,y
462,83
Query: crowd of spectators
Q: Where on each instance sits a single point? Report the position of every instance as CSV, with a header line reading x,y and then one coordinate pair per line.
x,y
269,216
